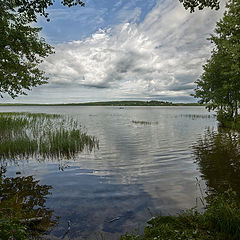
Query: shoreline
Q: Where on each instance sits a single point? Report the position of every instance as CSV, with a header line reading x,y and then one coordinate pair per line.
x,y
108,103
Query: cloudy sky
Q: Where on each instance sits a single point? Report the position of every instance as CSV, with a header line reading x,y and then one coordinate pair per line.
x,y
123,50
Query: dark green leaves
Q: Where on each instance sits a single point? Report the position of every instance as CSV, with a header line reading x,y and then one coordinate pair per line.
x,y
219,85
200,4
33,8
21,48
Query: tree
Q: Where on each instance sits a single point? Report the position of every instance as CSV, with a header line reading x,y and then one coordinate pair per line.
x,y
219,85
200,4
215,87
21,48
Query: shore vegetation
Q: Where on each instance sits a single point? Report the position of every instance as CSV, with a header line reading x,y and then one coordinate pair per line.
x,y
24,135
219,221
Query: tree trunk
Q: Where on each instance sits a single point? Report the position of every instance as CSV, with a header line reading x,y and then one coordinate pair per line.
x,y
236,112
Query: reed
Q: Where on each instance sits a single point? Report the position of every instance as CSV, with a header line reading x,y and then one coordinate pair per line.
x,y
197,116
24,135
144,122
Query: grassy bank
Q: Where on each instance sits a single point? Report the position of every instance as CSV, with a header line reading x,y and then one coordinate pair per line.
x,y
219,221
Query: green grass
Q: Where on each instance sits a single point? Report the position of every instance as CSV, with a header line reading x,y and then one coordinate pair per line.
x,y
219,221
42,135
10,229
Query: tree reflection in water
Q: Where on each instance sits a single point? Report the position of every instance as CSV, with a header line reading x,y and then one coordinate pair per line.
x,y
23,199
218,157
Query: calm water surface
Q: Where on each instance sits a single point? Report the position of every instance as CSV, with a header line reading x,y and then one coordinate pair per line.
x,y
140,170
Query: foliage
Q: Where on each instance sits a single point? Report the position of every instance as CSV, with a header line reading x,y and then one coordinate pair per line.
x,y
21,48
200,4
31,9
220,221
10,229
219,85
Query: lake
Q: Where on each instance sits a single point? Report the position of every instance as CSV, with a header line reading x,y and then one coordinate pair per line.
x,y
146,164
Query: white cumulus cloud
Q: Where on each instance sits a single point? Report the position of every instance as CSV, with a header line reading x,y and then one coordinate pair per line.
x,y
160,57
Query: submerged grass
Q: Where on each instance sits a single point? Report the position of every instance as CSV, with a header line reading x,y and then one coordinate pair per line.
x,y
42,135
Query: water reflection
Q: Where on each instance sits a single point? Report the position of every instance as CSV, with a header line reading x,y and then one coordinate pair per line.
x,y
218,156
137,167
23,199
94,205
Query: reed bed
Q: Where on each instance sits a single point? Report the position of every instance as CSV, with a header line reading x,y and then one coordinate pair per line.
x,y
24,135
196,116
144,122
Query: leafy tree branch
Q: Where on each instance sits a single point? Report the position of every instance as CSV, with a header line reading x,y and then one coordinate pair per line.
x,y
21,47
219,85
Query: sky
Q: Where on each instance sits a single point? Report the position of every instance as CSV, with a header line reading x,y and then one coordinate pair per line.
x,y
123,50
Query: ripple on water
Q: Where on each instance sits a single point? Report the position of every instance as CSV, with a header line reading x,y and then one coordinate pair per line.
x,y
138,167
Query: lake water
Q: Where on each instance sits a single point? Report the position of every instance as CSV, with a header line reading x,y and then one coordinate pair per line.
x,y
139,170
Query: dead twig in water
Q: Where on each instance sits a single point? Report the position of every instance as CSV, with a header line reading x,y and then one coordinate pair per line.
x,y
68,230
31,220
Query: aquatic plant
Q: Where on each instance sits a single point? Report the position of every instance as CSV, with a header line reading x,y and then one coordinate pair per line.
x,y
144,122
24,135
197,116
